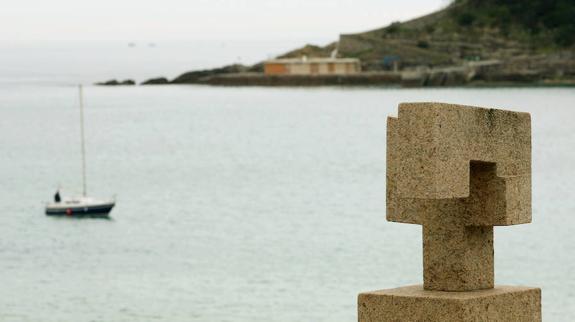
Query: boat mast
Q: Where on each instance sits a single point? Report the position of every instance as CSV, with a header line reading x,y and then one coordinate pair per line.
x,y
84,190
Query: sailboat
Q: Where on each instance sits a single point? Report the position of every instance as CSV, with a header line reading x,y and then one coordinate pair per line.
x,y
80,206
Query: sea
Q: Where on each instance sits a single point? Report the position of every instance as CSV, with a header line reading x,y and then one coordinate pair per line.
x,y
240,204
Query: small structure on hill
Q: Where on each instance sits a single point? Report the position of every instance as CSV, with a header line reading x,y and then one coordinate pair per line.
x,y
312,66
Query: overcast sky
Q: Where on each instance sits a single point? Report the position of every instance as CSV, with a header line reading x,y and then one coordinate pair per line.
x,y
53,21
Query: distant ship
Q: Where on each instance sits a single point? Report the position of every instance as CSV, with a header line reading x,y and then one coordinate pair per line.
x,y
80,206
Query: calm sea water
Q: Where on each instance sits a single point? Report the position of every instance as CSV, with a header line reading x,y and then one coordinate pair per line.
x,y
244,204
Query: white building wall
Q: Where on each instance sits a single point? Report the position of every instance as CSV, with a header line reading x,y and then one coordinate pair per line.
x,y
322,68
299,69
340,69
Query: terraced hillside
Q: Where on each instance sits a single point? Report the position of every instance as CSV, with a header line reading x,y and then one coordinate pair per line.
x,y
534,36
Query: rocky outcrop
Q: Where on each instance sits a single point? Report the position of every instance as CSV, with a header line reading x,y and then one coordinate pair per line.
x,y
195,77
114,82
156,81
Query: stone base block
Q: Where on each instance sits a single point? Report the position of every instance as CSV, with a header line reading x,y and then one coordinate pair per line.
x,y
413,304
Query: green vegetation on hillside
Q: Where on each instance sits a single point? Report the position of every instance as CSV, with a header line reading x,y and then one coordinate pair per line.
x,y
550,22
472,30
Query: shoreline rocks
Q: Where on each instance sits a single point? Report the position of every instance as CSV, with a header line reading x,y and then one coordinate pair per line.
x,y
156,81
114,82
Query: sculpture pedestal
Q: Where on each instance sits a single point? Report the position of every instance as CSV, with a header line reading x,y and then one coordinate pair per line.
x,y
412,303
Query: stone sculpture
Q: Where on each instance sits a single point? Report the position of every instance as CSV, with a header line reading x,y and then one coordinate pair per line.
x,y
457,171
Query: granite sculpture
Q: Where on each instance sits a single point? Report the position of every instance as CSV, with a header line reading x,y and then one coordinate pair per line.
x,y
458,171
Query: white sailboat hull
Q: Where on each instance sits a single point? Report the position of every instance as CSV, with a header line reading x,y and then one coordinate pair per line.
x,y
80,207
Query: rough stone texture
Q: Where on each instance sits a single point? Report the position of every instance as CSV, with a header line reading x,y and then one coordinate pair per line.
x,y
458,171
435,143
413,303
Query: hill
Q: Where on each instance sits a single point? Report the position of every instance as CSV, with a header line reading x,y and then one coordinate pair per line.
x,y
467,42
535,34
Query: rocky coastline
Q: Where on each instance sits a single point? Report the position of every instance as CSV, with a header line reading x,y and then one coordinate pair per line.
x,y
487,73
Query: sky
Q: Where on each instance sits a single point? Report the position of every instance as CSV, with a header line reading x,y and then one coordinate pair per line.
x,y
40,21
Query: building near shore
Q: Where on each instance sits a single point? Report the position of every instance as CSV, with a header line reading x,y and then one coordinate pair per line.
x,y
312,66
